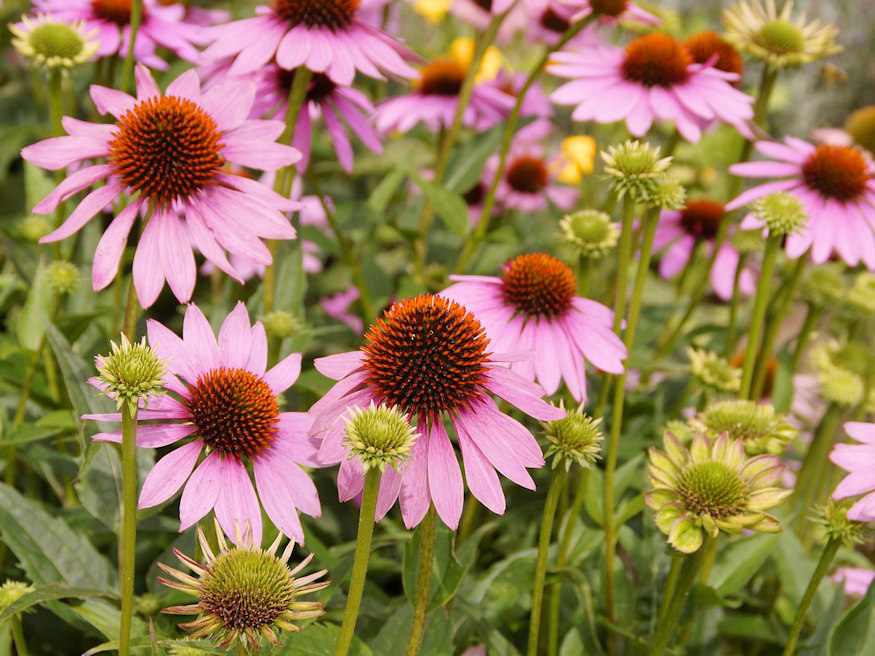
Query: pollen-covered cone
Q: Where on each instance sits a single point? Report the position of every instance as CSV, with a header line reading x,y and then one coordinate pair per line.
x,y
711,487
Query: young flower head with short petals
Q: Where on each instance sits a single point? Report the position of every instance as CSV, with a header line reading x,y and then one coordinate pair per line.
x,y
533,305
52,43
859,461
576,437
590,232
430,357
131,374
711,487
244,593
836,187
168,153
756,424
653,78
714,372
224,397
378,436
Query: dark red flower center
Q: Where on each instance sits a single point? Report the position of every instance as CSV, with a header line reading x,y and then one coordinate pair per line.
x,y
485,5
552,21
114,11
704,45
537,285
426,355
332,14
319,87
656,60
235,412
702,218
166,148
609,7
443,77
839,172
527,174
476,194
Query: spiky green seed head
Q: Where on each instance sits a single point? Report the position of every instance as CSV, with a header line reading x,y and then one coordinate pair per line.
x,y
713,371
823,286
590,232
833,520
667,193
280,324
577,437
755,424
782,213
378,436
131,372
62,277
11,591
633,168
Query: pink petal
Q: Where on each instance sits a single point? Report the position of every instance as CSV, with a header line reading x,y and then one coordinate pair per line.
x,y
237,502
201,492
339,365
444,477
480,474
414,495
198,336
111,247
168,474
514,389
283,375
234,338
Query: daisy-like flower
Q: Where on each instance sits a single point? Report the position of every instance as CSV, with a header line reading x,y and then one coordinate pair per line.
x,y
755,424
435,99
681,231
533,305
168,153
244,593
430,357
223,397
53,43
162,25
333,103
711,487
611,11
479,13
653,78
837,190
778,37
325,37
859,461
702,46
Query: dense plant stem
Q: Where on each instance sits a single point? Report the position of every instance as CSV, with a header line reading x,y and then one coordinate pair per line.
x,y
557,482
132,312
733,307
650,223
507,137
829,552
360,560
128,66
689,571
808,324
423,582
18,635
761,301
127,551
449,137
814,464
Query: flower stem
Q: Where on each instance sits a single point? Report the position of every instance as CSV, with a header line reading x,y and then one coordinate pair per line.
x,y
127,553
360,560
55,102
128,67
815,465
18,635
423,582
808,324
557,482
510,127
686,577
761,301
829,552
733,307
132,311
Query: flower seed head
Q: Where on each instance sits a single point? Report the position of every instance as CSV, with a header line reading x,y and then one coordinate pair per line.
x,y
378,436
756,425
62,277
53,44
823,286
280,324
782,213
590,232
11,591
576,438
633,167
667,193
859,302
713,371
833,518
131,372
842,387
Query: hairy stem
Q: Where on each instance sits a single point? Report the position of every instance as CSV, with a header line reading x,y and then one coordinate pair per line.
x,y
423,583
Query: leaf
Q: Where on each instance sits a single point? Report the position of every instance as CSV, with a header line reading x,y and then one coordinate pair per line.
x,y
319,640
385,189
106,618
48,550
437,639
738,561
48,593
29,327
450,206
749,627
100,484
854,634
466,165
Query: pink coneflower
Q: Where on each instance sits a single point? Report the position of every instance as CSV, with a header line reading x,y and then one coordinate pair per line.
x,y
325,37
856,580
653,78
168,154
836,187
679,232
337,307
610,11
161,25
533,306
548,20
326,100
436,97
430,357
479,13
224,399
859,460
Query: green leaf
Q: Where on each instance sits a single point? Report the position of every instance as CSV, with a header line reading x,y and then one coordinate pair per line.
x,y
100,484
29,327
854,634
749,627
450,206
467,162
48,593
48,550
437,639
106,618
738,561
383,192
318,640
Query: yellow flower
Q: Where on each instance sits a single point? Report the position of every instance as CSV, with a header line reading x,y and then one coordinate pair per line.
x,y
577,160
462,50
433,10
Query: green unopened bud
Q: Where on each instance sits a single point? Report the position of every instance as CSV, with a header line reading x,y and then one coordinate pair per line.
x,y
680,429
782,213
833,518
747,242
590,232
378,436
11,591
633,168
861,126
713,371
755,424
823,286
185,650
148,604
131,372
577,437
280,324
859,302
842,387
52,43
62,277
667,193
34,227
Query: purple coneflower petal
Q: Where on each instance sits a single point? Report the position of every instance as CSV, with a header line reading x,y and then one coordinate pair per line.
x,y
168,474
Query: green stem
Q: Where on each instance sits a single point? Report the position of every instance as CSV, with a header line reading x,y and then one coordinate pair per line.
x,y
829,552
761,301
423,583
128,68
509,129
127,553
689,571
18,635
470,519
132,312
774,325
449,139
733,306
557,483
671,584
815,464
811,318
55,102
360,560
